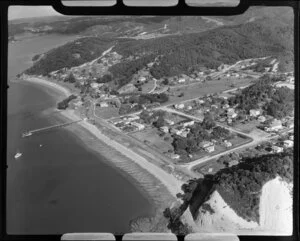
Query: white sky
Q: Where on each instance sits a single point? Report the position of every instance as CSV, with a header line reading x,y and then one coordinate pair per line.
x,y
15,12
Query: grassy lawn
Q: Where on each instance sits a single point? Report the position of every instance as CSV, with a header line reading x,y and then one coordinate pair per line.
x,y
247,127
107,112
146,87
209,168
201,89
150,136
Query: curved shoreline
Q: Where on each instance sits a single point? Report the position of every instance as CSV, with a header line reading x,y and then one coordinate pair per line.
x,y
158,186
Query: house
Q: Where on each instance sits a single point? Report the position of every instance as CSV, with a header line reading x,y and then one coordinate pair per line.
x,y
288,143
165,129
189,123
291,137
227,143
103,104
179,106
142,79
254,112
290,79
181,80
78,103
214,106
290,124
210,148
132,118
138,125
275,125
169,122
189,107
231,113
175,156
205,144
201,101
229,120
182,133
277,149
233,163
226,106
173,130
261,118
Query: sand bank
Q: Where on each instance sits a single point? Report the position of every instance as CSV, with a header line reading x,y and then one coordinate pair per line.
x,y
172,184
52,85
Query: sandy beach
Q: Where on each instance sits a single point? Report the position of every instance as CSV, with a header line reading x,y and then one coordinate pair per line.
x,y
52,85
173,185
160,186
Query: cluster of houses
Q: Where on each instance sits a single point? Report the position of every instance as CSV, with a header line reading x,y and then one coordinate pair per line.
x,y
182,130
277,125
130,123
197,76
287,143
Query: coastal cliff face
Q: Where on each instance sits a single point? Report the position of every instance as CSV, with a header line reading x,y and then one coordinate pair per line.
x,y
275,212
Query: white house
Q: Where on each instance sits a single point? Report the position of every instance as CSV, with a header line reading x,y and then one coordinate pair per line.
x,y
233,163
134,117
138,125
275,125
254,112
181,80
210,148
182,133
170,122
277,149
175,156
290,79
165,129
288,143
261,118
227,143
189,123
179,106
205,144
103,104
231,113
142,79
291,137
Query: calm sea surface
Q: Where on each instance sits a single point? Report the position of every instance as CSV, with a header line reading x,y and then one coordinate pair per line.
x,y
58,185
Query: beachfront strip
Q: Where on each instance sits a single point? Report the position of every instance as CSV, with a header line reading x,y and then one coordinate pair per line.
x,y
187,126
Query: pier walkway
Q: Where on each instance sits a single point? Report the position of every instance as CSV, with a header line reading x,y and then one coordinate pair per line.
x,y
31,132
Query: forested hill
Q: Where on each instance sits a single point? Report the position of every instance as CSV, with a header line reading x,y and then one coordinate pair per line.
x,y
71,54
182,53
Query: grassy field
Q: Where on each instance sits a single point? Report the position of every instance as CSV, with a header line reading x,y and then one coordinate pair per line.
x,y
150,136
148,86
107,112
201,89
209,168
247,127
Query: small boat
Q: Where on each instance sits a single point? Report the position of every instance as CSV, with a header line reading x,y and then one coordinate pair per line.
x,y
25,134
41,145
19,154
